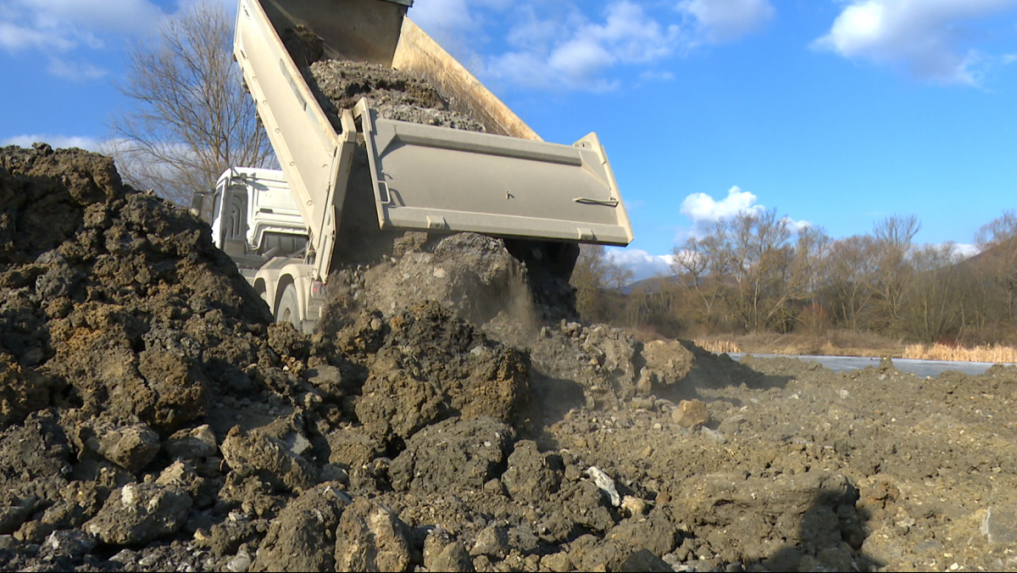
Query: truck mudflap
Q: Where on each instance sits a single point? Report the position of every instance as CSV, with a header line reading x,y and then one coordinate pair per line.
x,y
444,180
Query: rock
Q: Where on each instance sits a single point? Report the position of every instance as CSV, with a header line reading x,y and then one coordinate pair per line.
x,y
605,483
529,478
713,435
34,532
139,513
328,380
583,505
22,391
557,562
442,553
732,424
177,389
71,544
352,447
452,455
271,459
655,532
691,414
616,353
192,444
395,403
1000,526
131,447
633,506
37,448
14,512
371,538
643,560
228,536
302,537
240,563
492,541
183,476
332,472
668,360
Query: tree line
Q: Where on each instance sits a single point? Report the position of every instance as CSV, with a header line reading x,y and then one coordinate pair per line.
x,y
756,272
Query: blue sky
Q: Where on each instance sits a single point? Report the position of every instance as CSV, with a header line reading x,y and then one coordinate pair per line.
x,y
837,113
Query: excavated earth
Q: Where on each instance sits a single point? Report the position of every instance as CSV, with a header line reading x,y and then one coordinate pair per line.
x,y
450,413
151,418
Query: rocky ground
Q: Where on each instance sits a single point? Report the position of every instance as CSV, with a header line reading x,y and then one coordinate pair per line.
x,y
152,418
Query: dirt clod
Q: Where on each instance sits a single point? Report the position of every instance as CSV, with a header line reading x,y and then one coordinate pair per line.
x,y
139,513
456,453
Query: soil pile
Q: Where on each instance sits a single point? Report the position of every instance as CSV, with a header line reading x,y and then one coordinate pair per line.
x,y
151,418
393,94
340,84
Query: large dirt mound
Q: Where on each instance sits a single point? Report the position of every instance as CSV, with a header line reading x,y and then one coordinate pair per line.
x,y
152,416
152,419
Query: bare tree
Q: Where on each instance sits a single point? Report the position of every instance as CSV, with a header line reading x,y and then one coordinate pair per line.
x,y
895,273
850,275
595,276
935,307
756,266
192,117
998,243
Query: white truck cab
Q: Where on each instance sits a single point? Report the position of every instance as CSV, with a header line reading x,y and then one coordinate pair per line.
x,y
257,223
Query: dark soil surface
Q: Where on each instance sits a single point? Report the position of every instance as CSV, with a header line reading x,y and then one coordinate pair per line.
x,y
152,419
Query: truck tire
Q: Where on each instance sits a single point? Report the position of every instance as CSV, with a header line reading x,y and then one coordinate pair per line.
x,y
288,310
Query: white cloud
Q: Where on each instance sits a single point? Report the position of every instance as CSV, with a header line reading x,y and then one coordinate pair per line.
x,y
796,226
568,51
444,16
965,251
75,71
56,27
14,38
643,264
702,208
55,141
928,37
92,16
720,21
655,76
569,45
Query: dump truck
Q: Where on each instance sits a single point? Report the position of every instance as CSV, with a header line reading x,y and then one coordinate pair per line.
x,y
542,198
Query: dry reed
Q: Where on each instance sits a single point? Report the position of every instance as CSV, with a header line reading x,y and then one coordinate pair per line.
x,y
717,346
993,353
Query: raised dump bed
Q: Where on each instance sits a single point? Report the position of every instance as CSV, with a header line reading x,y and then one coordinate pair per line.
x,y
424,177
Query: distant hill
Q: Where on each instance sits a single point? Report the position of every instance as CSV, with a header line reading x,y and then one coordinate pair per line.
x,y
650,285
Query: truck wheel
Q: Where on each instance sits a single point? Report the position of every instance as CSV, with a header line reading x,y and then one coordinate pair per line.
x,y
287,309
